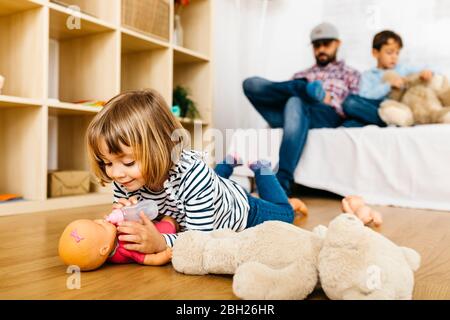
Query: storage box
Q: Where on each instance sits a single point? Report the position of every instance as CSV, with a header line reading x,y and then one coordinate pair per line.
x,y
151,17
67,183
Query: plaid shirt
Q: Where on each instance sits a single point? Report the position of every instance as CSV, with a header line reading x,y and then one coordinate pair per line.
x,y
337,78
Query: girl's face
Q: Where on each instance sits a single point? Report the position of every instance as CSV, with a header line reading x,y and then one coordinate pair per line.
x,y
122,168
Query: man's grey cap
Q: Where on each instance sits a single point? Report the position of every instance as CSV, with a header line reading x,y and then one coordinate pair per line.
x,y
324,31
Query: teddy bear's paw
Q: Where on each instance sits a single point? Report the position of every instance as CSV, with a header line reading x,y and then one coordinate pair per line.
x,y
256,281
187,254
396,113
252,281
445,118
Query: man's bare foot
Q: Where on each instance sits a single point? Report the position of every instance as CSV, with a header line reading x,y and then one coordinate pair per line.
x,y
299,206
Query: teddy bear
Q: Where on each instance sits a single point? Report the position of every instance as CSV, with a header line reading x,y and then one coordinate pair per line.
x,y
274,260
357,263
277,260
418,102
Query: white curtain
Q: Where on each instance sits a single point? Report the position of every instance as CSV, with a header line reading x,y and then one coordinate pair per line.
x,y
268,38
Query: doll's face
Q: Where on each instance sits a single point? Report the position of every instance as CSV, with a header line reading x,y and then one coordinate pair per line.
x,y
108,230
87,243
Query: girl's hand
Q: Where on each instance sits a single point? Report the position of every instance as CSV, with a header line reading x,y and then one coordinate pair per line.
x,y
122,202
144,237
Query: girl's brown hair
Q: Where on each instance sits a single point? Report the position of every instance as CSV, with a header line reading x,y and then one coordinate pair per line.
x,y
142,121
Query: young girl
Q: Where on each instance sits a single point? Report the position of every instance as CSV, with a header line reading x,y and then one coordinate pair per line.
x,y
135,143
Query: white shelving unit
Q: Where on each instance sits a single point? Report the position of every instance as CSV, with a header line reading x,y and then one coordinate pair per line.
x,y
95,62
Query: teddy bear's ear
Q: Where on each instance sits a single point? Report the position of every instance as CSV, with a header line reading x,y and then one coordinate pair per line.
x,y
412,257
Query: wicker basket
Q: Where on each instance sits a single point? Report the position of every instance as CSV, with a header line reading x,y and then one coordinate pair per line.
x,y
148,16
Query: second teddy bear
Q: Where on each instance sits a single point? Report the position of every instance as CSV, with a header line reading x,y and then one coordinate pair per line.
x,y
419,102
357,263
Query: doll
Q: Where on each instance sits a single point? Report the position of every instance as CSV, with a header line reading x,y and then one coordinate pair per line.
x,y
88,244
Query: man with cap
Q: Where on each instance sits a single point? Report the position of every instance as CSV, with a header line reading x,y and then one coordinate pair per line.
x,y
311,99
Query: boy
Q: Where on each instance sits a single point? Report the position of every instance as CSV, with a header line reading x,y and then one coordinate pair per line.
x,y
362,109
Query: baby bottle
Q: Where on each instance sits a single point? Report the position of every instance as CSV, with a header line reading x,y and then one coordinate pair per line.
x,y
131,213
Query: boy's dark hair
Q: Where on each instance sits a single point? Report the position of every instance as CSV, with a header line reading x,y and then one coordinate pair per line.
x,y
382,38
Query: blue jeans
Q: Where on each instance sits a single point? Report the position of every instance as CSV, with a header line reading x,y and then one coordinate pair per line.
x,y
285,105
273,203
361,112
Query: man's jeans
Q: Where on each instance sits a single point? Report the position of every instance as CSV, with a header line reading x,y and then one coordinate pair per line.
x,y
361,112
285,105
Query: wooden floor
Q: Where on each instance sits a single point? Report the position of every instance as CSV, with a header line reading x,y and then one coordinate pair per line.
x,y
31,269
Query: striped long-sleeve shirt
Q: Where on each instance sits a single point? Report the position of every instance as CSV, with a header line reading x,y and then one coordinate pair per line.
x,y
196,197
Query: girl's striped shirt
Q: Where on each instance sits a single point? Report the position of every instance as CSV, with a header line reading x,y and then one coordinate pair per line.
x,y
196,197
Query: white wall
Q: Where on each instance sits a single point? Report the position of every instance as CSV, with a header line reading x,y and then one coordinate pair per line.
x,y
276,44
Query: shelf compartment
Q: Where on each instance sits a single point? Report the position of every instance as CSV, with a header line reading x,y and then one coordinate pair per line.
x,y
66,144
85,68
145,66
66,141
22,164
22,52
150,17
103,10
197,31
63,24
196,78
8,7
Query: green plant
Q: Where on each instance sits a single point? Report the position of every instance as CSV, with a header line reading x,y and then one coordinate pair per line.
x,y
181,98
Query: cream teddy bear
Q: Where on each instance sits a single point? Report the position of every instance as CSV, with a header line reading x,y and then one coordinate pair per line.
x,y
358,263
277,260
418,102
274,260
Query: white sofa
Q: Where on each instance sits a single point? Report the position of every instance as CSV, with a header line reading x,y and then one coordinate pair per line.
x,y
406,167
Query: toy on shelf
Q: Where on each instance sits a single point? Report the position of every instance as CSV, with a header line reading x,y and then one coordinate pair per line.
x,y
91,103
2,82
188,108
9,197
88,244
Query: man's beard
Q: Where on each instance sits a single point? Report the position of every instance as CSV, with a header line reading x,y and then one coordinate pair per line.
x,y
325,62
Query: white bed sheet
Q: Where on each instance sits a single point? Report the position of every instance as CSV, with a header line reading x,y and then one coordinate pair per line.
x,y
406,167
